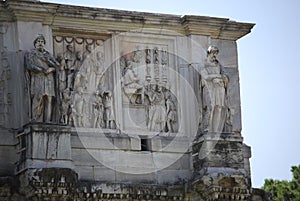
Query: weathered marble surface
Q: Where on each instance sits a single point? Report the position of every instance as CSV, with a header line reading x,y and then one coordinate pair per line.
x,y
128,106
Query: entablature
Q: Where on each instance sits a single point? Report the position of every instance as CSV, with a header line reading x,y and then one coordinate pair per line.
x,y
109,20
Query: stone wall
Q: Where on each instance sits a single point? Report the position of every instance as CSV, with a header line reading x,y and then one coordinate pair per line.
x,y
101,104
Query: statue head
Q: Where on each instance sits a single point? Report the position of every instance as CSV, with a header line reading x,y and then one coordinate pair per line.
x,y
41,37
70,48
78,55
108,93
153,86
212,52
212,49
98,93
88,48
159,88
99,54
129,64
39,42
59,57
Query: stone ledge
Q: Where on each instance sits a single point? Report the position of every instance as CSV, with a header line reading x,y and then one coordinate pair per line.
x,y
62,16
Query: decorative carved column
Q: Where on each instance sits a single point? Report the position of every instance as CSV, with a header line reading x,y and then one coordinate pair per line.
x,y
148,62
164,63
156,65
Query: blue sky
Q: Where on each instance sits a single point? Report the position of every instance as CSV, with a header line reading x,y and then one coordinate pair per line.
x,y
269,72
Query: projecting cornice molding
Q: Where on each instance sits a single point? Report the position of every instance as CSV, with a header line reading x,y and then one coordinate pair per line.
x,y
61,16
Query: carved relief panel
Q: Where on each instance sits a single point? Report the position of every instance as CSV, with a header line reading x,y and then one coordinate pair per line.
x,y
149,84
84,82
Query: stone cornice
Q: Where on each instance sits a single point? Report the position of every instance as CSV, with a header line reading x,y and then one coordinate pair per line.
x,y
221,28
61,16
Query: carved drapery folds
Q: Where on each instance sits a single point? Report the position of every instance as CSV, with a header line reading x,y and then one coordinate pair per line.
x,y
86,99
75,86
146,89
41,69
215,112
80,91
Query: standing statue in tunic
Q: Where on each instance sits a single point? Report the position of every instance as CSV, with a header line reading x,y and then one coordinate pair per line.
x,y
41,69
214,86
171,114
157,111
98,110
109,116
70,58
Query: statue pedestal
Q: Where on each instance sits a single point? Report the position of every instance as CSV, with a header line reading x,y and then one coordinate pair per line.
x,y
43,145
219,167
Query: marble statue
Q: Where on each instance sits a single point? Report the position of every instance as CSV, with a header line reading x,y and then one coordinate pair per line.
x,y
41,67
87,68
87,52
109,116
171,114
75,69
157,111
78,62
66,106
98,110
70,57
214,84
62,74
99,70
78,101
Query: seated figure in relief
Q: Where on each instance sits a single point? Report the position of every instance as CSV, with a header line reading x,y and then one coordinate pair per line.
x,y
130,84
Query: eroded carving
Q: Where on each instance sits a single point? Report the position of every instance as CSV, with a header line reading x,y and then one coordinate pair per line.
x,y
156,64
157,111
171,114
98,110
164,63
81,81
62,74
99,70
148,62
109,116
214,89
66,106
41,67
147,89
77,107
131,84
69,58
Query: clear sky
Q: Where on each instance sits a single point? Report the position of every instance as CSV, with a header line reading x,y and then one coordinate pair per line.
x,y
269,71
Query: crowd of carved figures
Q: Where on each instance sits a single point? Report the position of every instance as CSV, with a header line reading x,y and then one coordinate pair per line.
x,y
71,85
74,85
161,112
86,100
